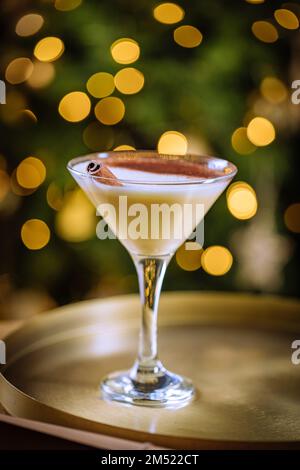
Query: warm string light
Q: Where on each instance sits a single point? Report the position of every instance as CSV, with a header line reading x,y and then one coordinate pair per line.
x,y
125,51
187,36
260,131
49,49
216,260
168,13
29,25
67,5
292,217
75,106
123,147
110,111
172,142
19,70
35,234
42,75
241,200
129,80
101,84
188,256
75,221
265,31
286,18
240,142
273,90
31,173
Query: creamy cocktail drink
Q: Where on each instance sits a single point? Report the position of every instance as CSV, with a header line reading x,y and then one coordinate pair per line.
x,y
152,203
152,213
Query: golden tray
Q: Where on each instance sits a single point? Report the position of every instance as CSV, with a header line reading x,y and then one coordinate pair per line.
x,y
236,348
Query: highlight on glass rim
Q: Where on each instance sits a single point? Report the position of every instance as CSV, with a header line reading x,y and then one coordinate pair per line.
x,y
150,221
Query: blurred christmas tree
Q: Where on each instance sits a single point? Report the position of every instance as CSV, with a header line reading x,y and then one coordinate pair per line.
x,y
86,75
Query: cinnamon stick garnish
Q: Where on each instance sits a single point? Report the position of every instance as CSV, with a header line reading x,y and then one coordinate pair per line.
x,y
98,169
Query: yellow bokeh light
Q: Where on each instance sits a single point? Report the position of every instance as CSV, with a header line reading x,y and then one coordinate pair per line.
x,y
292,217
187,36
54,197
31,173
42,75
265,31
75,106
110,110
67,5
241,200
98,137
261,132
4,185
173,143
19,70
273,90
216,260
29,24
129,80
240,142
168,13
255,2
28,115
35,234
125,51
124,147
49,49
286,18
75,222
101,84
188,256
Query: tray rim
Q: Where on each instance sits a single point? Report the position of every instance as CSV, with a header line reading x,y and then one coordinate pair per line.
x,y
18,403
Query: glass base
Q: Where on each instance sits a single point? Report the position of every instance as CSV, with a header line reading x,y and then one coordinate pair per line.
x,y
172,391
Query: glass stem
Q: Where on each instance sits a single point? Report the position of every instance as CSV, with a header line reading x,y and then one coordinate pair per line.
x,y
148,370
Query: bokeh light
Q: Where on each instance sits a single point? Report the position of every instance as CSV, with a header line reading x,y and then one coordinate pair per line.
x,y
31,173
75,106
54,196
216,260
4,185
241,200
240,142
75,222
28,116
42,75
255,2
188,256
129,80
16,188
172,142
187,36
273,90
110,110
286,18
98,137
260,131
292,217
29,24
265,31
124,147
19,70
49,49
101,84
168,13
35,234
125,51
67,5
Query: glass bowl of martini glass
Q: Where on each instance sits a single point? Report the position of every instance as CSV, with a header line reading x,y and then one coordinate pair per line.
x,y
152,203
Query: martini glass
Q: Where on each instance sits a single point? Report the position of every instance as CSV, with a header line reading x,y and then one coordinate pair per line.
x,y
144,179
